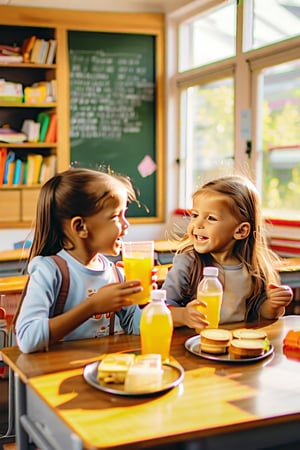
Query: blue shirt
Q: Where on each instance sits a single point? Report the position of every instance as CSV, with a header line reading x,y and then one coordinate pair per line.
x,y
32,329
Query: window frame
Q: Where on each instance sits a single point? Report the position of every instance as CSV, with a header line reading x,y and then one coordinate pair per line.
x,y
244,66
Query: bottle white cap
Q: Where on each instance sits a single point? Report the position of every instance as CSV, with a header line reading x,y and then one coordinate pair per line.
x,y
159,294
211,271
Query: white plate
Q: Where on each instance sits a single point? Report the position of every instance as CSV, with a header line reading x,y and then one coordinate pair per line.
x,y
172,376
193,345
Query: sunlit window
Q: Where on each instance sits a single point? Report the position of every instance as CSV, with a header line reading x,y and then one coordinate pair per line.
x,y
280,140
208,132
272,21
209,37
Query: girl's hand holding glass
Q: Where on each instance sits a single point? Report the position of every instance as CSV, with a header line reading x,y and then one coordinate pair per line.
x,y
113,297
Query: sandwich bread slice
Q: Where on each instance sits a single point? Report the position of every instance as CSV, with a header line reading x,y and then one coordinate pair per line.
x,y
114,367
215,340
248,333
247,348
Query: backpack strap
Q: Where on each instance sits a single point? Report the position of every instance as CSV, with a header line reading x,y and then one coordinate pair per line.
x,y
62,295
65,284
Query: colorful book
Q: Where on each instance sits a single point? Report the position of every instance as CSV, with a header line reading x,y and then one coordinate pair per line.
x,y
11,136
36,51
43,52
4,59
34,168
27,47
7,171
10,173
48,168
31,129
21,177
43,119
3,153
51,51
17,172
9,50
51,132
25,173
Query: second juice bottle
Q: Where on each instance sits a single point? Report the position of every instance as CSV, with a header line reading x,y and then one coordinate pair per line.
x,y
210,290
156,326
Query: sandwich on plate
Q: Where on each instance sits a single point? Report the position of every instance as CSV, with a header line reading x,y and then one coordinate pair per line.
x,y
215,340
248,333
114,367
248,348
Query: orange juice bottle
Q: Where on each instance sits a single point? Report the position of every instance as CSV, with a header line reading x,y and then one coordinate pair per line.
x,y
156,326
210,290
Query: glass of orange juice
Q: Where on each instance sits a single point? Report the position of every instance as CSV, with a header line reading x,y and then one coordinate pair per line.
x,y
138,259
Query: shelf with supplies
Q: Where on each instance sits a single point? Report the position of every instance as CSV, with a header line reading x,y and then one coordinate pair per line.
x,y
28,119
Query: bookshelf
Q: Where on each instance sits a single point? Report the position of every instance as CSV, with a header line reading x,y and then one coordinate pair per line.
x,y
18,23
18,195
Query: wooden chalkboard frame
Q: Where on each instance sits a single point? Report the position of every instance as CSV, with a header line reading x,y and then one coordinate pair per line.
x,y
156,215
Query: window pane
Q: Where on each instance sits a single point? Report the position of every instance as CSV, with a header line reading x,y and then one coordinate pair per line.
x,y
208,38
274,21
207,118
280,144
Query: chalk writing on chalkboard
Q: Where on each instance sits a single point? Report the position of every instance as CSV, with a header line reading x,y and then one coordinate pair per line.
x,y
113,108
107,91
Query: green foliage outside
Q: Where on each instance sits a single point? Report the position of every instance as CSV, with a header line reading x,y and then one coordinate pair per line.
x,y
281,185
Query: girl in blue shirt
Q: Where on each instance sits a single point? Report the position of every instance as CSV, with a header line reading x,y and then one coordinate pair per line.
x,y
80,216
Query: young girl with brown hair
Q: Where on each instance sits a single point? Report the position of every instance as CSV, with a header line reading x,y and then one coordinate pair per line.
x,y
226,230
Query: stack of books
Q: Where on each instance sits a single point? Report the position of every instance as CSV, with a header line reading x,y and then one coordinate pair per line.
x,y
11,136
33,169
10,54
39,51
48,127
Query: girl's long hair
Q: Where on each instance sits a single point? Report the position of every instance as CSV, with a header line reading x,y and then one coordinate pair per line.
x,y
75,192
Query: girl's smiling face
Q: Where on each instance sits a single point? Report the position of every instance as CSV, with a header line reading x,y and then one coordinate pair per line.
x,y
107,226
213,227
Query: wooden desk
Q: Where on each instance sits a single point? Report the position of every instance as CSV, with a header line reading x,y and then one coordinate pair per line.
x,y
16,254
218,405
12,262
165,246
11,285
164,251
12,288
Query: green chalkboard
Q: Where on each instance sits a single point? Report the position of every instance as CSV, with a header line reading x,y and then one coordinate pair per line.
x,y
113,108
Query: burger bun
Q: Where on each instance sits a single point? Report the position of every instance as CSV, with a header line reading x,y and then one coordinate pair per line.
x,y
247,348
215,340
248,333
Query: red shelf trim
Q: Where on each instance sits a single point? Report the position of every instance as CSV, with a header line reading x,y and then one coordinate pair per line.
x,y
283,222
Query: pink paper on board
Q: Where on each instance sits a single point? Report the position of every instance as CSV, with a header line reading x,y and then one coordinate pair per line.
x,y
147,166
